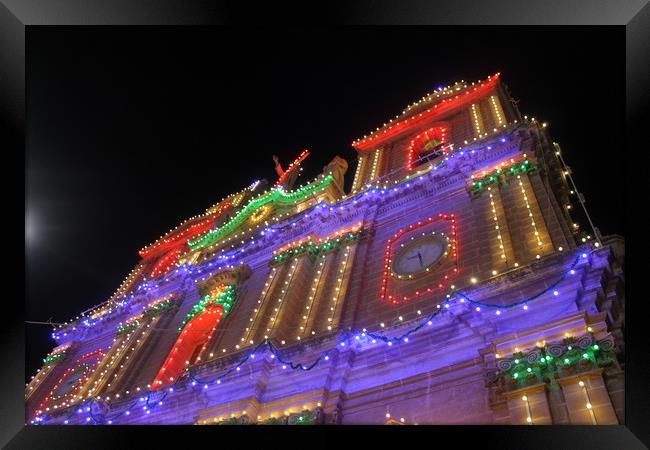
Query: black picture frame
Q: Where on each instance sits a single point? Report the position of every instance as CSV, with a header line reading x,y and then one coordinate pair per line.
x,y
16,16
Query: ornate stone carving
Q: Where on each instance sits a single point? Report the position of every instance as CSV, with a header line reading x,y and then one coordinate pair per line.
x,y
233,276
337,167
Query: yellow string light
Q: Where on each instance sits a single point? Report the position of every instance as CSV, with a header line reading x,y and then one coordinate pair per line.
x,y
530,214
497,228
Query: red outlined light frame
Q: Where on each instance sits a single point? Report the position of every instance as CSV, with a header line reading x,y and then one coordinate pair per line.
x,y
99,354
186,233
166,263
438,132
470,93
386,274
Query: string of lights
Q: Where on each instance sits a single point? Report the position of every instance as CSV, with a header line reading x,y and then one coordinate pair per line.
x,y
345,339
375,186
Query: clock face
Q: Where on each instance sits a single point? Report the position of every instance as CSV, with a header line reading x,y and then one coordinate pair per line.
x,y
419,255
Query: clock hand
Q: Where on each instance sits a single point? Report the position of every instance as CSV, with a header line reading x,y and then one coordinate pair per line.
x,y
420,258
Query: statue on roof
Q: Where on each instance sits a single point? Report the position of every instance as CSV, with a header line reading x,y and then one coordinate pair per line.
x,y
287,178
337,167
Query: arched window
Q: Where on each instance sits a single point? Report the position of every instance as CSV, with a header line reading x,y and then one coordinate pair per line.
x,y
428,146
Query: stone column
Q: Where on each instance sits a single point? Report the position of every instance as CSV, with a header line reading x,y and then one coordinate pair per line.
x,y
529,406
587,399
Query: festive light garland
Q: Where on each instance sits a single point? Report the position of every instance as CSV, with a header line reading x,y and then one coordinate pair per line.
x,y
55,355
522,188
549,361
223,295
361,159
124,350
441,91
477,119
368,189
271,323
339,289
316,249
377,191
180,236
49,362
501,176
314,292
274,196
530,214
345,339
266,291
375,162
497,227
159,306
123,340
130,325
496,110
166,263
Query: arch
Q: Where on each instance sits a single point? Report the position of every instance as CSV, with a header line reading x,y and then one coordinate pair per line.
x,y
428,144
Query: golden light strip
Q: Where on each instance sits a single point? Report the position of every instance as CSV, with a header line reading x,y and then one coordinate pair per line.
x,y
114,355
138,344
238,199
496,110
588,404
497,227
335,298
476,120
375,163
44,371
314,292
118,353
36,380
318,240
271,324
530,214
358,173
529,417
268,287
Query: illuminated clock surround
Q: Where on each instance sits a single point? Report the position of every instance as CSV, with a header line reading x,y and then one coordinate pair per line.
x,y
385,294
415,242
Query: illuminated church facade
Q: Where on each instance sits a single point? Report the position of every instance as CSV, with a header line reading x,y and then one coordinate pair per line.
x,y
449,286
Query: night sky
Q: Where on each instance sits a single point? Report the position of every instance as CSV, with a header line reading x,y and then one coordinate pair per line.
x,y
130,131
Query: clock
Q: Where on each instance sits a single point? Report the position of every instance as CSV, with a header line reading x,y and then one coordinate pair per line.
x,y
419,254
